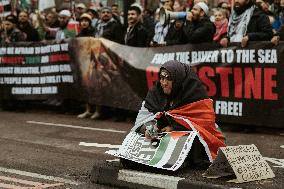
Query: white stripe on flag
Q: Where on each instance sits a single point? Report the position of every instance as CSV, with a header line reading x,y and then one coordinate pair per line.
x,y
167,155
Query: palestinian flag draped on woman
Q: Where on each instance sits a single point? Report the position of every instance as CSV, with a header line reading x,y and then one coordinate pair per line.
x,y
186,108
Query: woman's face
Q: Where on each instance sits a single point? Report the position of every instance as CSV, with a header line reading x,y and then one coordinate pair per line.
x,y
84,24
218,16
166,82
265,6
177,7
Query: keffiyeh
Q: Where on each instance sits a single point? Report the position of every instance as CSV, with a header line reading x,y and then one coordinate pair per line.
x,y
238,24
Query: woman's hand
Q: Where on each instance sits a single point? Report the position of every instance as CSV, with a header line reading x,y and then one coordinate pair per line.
x,y
167,129
224,42
147,136
275,40
189,16
244,41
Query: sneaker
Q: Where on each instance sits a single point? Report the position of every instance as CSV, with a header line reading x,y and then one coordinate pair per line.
x,y
96,115
84,115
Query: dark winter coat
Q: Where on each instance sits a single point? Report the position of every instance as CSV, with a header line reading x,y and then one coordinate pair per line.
x,y
137,37
113,31
32,34
13,36
259,27
174,36
149,25
199,31
88,32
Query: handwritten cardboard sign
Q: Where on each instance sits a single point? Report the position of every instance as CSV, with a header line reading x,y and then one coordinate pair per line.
x,y
243,161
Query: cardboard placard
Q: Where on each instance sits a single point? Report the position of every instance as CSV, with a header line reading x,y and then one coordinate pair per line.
x,y
243,161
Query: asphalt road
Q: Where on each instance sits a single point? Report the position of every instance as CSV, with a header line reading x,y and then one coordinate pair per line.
x,y
47,143
43,147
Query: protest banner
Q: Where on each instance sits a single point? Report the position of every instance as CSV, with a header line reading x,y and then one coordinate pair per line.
x,y
245,83
33,72
243,161
168,152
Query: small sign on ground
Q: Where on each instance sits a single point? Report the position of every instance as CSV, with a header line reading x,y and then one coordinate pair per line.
x,y
243,161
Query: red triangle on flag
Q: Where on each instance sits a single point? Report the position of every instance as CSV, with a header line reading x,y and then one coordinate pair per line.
x,y
177,135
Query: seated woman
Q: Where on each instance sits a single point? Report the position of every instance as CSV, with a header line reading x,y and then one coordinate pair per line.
x,y
179,102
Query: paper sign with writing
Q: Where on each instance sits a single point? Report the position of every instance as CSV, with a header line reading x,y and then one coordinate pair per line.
x,y
169,152
244,161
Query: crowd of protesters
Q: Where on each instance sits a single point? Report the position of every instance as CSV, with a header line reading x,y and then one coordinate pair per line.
x,y
244,21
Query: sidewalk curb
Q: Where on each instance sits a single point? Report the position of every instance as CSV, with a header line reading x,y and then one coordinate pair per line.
x,y
113,175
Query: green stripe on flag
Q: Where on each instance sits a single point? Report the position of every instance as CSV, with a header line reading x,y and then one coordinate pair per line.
x,y
161,149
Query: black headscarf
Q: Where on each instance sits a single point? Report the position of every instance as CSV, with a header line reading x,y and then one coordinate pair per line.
x,y
187,88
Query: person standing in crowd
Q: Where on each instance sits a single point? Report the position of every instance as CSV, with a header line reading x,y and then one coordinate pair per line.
x,y
175,32
179,6
279,16
136,34
221,24
25,26
198,28
264,5
149,24
51,23
116,13
247,23
279,35
278,11
94,14
64,32
86,27
37,21
10,33
108,27
87,30
80,9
